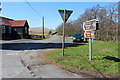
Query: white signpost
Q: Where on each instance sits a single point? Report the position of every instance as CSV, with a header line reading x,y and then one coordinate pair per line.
x,y
89,27
65,14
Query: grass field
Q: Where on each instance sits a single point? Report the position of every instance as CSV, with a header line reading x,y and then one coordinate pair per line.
x,y
105,58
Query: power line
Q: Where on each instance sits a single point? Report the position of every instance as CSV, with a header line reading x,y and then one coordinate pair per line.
x,y
38,14
33,8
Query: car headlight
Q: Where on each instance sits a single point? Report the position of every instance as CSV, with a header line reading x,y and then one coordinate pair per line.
x,y
74,38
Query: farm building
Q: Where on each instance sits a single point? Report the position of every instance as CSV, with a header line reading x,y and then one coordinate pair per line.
x,y
14,29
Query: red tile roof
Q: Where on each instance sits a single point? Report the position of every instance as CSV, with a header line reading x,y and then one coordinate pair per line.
x,y
20,23
4,21
11,22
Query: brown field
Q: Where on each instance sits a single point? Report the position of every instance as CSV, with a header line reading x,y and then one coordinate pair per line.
x,y
38,31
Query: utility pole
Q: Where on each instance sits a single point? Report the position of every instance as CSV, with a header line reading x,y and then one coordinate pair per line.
x,y
43,27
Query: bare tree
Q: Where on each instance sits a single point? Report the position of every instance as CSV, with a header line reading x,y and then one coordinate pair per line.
x,y
108,22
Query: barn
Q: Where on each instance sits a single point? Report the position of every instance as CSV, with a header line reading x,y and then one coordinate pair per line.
x,y
14,29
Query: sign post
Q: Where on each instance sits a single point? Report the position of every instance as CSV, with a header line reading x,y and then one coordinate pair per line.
x,y
89,27
63,44
90,48
65,14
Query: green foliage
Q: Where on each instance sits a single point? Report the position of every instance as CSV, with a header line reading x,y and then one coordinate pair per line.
x,y
77,58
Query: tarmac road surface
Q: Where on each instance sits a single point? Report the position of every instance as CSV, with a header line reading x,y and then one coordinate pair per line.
x,y
20,59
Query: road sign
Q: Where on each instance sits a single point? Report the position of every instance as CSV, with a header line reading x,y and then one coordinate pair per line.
x,y
89,34
67,14
90,25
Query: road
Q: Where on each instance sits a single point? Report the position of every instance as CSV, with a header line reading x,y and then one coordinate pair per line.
x,y
20,59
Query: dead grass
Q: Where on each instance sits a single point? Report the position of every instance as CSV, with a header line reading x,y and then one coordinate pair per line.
x,y
38,33
105,50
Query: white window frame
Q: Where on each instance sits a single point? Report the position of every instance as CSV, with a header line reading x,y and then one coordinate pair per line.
x,y
26,30
9,29
3,29
15,29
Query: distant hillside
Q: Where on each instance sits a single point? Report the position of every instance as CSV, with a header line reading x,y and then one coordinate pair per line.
x,y
38,30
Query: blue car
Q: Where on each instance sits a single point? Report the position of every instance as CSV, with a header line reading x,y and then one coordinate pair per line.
x,y
77,37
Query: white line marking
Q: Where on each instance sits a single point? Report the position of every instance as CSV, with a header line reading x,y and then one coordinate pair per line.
x,y
10,54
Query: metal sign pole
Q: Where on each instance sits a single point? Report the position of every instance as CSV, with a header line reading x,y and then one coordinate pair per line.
x,y
89,27
90,48
63,44
65,14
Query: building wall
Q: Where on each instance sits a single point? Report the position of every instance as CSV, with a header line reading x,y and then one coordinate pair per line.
x,y
21,32
26,31
5,32
6,29
16,32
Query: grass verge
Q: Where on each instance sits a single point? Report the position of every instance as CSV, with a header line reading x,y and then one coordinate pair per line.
x,y
105,58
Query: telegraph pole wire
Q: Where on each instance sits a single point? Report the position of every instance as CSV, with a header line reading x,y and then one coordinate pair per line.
x,y
33,8
38,14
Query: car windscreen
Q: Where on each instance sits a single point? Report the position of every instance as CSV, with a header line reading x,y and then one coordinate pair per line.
x,y
77,35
